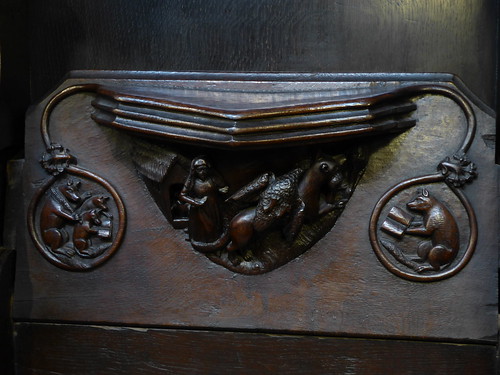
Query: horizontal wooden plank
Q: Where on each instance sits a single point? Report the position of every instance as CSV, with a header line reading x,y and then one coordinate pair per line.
x,y
78,349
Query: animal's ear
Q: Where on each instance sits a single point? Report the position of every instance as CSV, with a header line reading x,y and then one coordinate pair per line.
x,y
425,193
324,167
105,198
78,184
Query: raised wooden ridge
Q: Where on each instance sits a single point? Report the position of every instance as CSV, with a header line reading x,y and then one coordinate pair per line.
x,y
222,117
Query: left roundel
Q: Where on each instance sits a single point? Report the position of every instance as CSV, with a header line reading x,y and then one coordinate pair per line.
x,y
77,220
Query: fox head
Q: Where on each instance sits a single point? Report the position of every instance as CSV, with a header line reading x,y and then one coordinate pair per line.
x,y
70,190
91,216
422,202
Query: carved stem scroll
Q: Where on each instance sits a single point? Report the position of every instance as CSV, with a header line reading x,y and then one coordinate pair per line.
x,y
255,220
74,230
440,259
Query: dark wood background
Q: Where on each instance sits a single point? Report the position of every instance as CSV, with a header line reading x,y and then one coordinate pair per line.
x,y
41,41
236,35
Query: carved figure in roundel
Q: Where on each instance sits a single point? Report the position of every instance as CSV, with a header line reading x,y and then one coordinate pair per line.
x,y
438,226
424,235
76,223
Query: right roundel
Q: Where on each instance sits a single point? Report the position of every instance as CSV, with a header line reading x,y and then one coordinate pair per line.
x,y
423,230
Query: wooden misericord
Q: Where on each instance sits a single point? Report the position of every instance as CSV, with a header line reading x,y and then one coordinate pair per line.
x,y
327,204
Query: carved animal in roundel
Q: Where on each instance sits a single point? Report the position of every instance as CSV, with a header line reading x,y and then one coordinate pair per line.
x,y
57,212
438,224
83,230
99,201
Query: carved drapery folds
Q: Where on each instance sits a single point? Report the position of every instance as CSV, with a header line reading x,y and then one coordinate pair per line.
x,y
257,172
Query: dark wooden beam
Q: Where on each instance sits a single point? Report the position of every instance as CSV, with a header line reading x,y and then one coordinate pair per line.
x,y
78,349
7,261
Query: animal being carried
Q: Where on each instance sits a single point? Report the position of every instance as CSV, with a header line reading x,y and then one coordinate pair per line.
x,y
279,201
58,210
287,201
84,230
439,225
69,214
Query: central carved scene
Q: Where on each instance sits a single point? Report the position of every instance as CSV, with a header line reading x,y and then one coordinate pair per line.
x,y
251,212
254,173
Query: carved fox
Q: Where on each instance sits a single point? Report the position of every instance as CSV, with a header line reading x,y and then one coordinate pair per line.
x,y
57,212
99,201
84,230
438,224
287,200
279,199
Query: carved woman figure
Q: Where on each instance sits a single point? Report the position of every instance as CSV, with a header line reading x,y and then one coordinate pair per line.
x,y
202,191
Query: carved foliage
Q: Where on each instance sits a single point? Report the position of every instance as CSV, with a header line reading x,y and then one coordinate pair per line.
x,y
458,170
56,159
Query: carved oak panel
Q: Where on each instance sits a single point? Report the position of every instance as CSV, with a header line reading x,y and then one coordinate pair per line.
x,y
273,202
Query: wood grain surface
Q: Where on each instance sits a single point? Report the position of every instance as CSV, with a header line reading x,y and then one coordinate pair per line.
x,y
316,36
156,278
336,287
74,349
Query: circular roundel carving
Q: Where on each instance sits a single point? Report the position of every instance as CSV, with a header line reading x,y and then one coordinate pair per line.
x,y
77,220
423,229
